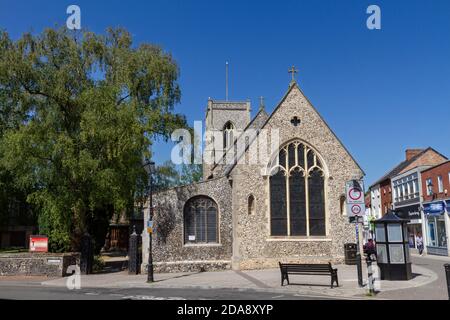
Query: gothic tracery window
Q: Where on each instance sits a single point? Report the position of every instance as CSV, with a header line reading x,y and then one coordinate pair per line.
x,y
297,193
200,220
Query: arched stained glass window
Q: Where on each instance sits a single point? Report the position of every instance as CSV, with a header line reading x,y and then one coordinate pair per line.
x,y
297,193
200,220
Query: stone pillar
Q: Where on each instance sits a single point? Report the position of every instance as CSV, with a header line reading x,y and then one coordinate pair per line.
x,y
133,254
144,240
424,229
87,254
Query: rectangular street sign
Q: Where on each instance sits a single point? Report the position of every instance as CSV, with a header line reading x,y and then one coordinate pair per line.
x,y
354,194
356,209
354,191
150,223
38,243
149,230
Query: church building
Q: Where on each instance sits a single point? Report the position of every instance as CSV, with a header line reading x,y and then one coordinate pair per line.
x,y
287,205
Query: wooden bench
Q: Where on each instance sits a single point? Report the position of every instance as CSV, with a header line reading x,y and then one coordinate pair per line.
x,y
308,269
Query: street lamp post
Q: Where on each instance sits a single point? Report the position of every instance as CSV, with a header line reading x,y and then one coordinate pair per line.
x,y
149,167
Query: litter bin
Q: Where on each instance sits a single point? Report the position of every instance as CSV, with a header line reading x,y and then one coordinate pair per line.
x,y
447,275
350,250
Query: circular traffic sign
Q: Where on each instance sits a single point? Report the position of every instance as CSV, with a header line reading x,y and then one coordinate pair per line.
x,y
355,193
356,209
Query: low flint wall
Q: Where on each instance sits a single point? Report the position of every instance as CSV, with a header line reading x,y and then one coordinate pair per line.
x,y
37,264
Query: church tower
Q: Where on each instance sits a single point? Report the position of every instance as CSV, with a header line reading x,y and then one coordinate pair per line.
x,y
225,121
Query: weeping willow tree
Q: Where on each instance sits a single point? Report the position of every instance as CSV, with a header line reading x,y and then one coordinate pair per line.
x,y
85,109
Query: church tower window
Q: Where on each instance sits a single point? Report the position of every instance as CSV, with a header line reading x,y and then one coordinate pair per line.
x,y
228,133
200,220
297,193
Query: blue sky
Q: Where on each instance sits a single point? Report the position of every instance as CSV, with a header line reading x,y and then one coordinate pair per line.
x,y
381,91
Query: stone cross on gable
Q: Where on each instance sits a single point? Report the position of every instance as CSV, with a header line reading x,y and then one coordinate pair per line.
x,y
293,71
261,102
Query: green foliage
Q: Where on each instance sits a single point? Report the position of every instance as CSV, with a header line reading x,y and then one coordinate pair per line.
x,y
169,175
98,264
78,113
191,173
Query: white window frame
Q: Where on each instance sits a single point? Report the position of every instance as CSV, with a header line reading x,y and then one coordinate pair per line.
x,y
427,183
440,184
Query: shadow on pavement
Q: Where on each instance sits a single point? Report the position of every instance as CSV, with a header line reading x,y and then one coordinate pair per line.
x,y
179,276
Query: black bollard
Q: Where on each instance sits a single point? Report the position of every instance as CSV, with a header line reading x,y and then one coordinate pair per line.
x,y
447,275
87,254
359,269
133,253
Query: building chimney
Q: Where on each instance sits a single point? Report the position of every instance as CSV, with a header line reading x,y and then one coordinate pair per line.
x,y
412,153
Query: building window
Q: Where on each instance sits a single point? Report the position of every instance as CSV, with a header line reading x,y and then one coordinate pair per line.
x,y
200,220
440,184
416,188
228,135
410,189
429,189
297,193
251,204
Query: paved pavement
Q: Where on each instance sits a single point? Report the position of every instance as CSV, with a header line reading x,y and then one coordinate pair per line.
x,y
428,283
434,290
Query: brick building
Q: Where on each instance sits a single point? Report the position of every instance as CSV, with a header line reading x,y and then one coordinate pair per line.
x,y
382,188
436,208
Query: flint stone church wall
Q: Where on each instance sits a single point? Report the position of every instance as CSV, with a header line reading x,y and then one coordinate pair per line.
x,y
254,247
244,237
170,253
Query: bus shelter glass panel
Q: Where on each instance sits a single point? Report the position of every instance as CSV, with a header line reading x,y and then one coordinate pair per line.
x,y
394,232
379,233
396,253
381,253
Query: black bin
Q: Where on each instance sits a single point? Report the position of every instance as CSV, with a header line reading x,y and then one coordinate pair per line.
x,y
350,250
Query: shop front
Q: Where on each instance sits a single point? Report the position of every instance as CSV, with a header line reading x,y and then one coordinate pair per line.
x,y
414,226
437,220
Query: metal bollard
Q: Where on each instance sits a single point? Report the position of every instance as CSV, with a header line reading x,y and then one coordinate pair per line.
x,y
370,278
133,254
359,269
447,275
87,254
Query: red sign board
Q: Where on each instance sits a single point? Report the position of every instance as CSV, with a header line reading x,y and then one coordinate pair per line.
x,y
38,244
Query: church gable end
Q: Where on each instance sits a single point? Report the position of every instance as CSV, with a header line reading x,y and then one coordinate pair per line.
x,y
295,117
298,216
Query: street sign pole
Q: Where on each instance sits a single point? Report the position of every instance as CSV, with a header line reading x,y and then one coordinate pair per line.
x,y
355,205
358,256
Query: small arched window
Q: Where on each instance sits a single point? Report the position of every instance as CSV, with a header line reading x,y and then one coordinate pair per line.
x,y
343,205
228,133
200,220
251,205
